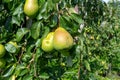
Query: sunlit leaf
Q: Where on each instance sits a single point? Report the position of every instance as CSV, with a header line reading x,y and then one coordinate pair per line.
x,y
10,48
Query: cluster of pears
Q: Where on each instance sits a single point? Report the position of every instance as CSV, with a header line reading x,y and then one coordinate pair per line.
x,y
60,39
31,8
2,53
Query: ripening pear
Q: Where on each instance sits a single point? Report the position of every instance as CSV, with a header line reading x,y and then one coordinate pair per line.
x,y
31,8
62,39
47,42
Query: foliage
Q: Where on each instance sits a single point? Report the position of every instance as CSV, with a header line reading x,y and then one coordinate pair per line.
x,y
95,29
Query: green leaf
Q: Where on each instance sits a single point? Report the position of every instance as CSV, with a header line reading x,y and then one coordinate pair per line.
x,y
15,20
63,22
23,72
69,61
9,58
54,20
76,18
67,18
51,5
35,30
38,43
28,55
43,9
38,54
7,1
44,76
19,69
87,65
78,49
18,10
20,33
17,16
46,31
28,77
10,48
9,71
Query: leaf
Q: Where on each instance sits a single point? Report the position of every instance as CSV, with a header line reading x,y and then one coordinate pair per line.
x,y
19,69
51,5
18,10
77,18
15,20
43,9
87,65
17,16
30,48
78,49
20,33
67,18
54,20
23,72
46,31
44,76
38,43
9,71
9,58
7,1
10,48
28,77
35,30
28,55
63,22
69,61
38,54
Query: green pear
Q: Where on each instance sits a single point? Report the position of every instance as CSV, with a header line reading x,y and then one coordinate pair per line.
x,y
31,8
47,42
2,50
62,39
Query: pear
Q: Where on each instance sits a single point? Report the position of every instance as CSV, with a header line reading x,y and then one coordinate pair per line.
x,y
47,42
2,50
62,39
31,8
